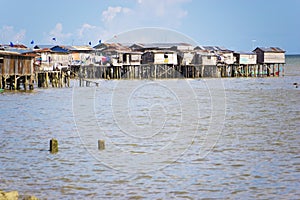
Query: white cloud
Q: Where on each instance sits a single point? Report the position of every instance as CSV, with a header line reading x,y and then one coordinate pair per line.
x,y
57,33
111,12
171,9
145,13
8,34
117,19
87,33
85,28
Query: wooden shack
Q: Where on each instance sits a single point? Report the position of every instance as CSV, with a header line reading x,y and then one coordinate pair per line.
x,y
225,56
60,57
245,58
132,58
245,64
16,69
81,55
207,60
161,46
52,57
110,56
270,60
110,52
159,57
43,61
160,64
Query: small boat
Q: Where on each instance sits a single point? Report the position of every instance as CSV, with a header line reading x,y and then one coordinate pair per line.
x,y
1,90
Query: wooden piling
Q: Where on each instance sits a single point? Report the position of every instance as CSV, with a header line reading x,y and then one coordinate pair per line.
x,y
15,82
101,144
25,83
46,80
53,145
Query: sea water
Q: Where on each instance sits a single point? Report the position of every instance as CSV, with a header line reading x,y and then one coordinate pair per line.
x,y
186,138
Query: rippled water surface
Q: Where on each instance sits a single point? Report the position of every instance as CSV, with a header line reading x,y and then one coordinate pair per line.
x,y
234,138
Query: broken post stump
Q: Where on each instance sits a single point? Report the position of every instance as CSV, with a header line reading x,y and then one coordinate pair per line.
x,y
101,144
53,145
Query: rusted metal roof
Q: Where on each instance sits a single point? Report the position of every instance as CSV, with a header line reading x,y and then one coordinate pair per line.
x,y
111,47
43,50
8,53
143,46
13,53
270,49
18,46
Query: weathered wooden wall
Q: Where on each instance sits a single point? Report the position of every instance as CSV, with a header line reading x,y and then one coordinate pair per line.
x,y
17,65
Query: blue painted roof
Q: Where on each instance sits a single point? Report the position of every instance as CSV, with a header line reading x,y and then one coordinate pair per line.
x,y
43,46
59,49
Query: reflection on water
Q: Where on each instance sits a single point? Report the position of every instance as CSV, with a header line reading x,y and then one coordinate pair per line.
x,y
256,154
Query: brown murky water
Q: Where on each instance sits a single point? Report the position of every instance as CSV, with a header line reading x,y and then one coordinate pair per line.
x,y
187,139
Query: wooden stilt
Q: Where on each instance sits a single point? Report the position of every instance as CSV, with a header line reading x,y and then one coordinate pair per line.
x,y
25,83
15,82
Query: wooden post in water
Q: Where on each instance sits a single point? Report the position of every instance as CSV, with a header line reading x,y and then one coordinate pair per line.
x,y
36,78
47,80
60,79
4,86
53,145
31,80
68,78
101,144
15,82
25,83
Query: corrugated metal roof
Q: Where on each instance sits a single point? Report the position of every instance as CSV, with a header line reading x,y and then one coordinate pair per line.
x,y
42,50
82,48
44,46
244,53
10,53
216,49
18,50
161,45
59,49
199,48
67,47
160,51
111,47
19,46
271,49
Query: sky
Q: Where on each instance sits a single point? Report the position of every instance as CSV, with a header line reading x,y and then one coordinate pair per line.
x,y
239,25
